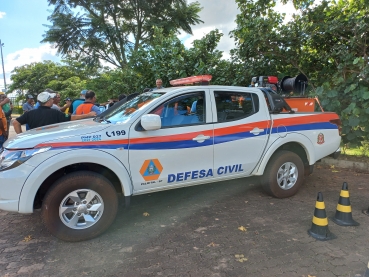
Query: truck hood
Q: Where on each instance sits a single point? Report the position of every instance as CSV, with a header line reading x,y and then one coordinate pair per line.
x,y
54,133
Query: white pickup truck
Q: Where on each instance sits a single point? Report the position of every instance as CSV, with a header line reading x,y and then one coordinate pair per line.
x,y
169,138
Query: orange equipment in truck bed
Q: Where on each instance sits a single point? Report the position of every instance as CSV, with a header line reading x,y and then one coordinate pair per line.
x,y
303,104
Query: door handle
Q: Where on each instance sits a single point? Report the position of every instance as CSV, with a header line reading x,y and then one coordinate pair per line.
x,y
256,131
201,138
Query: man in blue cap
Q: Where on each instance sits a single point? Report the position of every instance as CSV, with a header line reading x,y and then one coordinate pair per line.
x,y
77,102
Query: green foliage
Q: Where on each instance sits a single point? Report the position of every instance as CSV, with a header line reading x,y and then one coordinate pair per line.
x,y
165,58
168,59
327,41
112,83
36,77
103,30
345,45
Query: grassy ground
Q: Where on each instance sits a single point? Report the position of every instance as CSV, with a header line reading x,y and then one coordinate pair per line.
x,y
360,154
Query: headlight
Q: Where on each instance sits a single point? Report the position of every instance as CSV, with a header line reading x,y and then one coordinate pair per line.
x,y
13,158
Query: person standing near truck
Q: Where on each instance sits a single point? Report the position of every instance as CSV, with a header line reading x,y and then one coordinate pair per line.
x,y
44,115
28,106
159,84
76,102
3,128
57,102
88,105
7,108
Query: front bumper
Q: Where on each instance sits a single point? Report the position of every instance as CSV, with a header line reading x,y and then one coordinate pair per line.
x,y
11,185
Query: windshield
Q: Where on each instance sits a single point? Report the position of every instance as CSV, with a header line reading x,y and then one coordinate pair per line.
x,y
128,109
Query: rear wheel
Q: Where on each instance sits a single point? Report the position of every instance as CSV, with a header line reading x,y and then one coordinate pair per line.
x,y
283,175
79,206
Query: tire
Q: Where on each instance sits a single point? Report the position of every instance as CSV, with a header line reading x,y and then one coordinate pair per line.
x,y
80,206
277,185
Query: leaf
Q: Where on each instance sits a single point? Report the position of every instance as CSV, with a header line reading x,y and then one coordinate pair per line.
x,y
27,238
335,171
332,166
146,214
365,94
240,258
354,121
319,90
243,229
212,244
332,93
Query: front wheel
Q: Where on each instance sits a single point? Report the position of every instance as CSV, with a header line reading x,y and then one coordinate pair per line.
x,y
79,206
283,175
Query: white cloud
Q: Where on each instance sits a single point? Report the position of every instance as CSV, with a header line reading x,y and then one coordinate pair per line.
x,y
216,14
26,56
221,14
2,14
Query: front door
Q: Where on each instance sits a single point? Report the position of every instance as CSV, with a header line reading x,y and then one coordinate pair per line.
x,y
178,154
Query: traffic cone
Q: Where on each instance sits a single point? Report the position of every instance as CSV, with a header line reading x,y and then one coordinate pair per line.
x,y
319,227
343,214
366,273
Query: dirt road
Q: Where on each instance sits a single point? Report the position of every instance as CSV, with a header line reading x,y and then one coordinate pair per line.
x,y
224,229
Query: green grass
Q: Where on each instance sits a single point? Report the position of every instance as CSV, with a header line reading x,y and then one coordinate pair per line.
x,y
362,151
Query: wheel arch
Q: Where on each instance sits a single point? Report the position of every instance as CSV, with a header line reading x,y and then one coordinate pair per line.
x,y
300,145
40,180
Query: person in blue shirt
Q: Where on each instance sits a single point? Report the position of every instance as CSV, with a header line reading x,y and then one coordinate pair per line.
x,y
28,106
77,102
88,105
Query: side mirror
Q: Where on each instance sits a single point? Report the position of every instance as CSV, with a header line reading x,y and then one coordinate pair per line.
x,y
151,122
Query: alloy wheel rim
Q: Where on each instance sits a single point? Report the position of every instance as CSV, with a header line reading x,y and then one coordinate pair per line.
x,y
81,209
287,175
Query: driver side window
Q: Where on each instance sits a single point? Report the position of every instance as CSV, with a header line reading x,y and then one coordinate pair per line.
x,y
188,109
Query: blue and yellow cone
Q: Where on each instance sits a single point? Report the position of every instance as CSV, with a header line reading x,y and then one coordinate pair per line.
x,y
343,214
319,227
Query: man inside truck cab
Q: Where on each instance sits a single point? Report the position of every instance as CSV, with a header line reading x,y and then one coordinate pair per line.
x,y
44,115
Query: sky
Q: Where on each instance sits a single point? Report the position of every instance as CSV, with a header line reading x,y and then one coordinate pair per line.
x,y
22,29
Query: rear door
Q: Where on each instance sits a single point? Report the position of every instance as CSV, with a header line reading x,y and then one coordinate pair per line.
x,y
241,131
181,152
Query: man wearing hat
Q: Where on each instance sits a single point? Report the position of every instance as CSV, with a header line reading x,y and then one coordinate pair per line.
x,y
77,102
44,115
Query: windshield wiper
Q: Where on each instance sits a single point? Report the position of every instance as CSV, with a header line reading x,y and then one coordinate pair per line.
x,y
103,120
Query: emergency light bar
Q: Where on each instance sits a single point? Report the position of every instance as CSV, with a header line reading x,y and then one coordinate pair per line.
x,y
202,79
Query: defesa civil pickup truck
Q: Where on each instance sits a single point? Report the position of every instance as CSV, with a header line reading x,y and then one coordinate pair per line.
x,y
164,139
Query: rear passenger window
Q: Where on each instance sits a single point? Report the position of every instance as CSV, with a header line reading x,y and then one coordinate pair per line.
x,y
233,105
